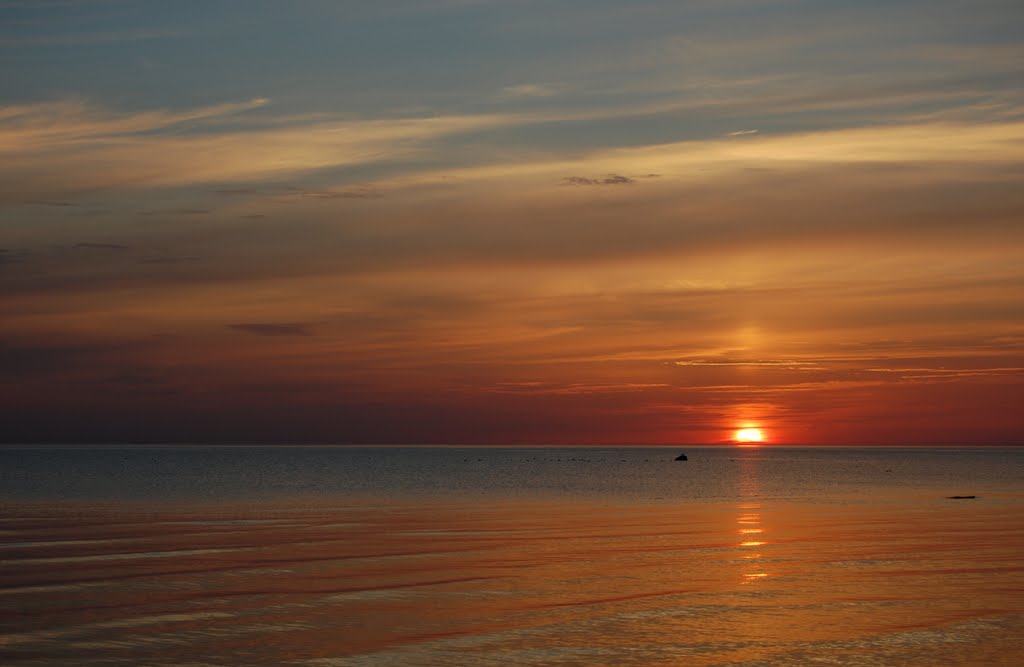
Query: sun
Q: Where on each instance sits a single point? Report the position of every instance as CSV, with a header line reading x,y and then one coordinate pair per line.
x,y
749,435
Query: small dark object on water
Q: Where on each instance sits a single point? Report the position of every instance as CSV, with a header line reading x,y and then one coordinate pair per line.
x,y
681,457
961,497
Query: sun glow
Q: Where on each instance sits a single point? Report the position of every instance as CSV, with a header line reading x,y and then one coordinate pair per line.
x,y
749,435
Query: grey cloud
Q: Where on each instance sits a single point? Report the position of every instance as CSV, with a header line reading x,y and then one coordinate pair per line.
x,y
12,256
59,204
922,208
185,259
528,90
346,194
273,329
237,192
610,179
250,190
101,246
176,211
285,193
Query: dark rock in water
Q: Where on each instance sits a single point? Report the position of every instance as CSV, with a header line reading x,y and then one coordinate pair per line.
x,y
681,457
961,497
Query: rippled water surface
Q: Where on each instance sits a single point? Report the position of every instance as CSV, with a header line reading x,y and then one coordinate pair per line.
x,y
422,556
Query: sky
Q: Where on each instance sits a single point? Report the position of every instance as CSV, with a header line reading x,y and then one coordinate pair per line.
x,y
512,221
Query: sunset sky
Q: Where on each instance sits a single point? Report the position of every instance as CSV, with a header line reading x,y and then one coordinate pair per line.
x,y
509,221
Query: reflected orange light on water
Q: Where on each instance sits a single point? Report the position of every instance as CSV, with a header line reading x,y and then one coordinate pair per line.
x,y
470,582
748,520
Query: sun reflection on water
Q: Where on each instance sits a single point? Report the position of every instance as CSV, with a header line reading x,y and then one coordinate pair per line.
x,y
748,522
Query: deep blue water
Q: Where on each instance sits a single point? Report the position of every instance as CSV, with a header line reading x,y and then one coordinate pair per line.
x,y
630,474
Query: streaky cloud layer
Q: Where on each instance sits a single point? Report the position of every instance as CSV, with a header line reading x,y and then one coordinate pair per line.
x,y
478,222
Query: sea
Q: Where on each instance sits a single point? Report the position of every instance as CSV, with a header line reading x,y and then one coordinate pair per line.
x,y
377,556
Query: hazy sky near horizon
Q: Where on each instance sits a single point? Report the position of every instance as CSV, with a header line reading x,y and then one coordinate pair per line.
x,y
508,221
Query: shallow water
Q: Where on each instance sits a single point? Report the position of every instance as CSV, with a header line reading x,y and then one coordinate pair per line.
x,y
497,557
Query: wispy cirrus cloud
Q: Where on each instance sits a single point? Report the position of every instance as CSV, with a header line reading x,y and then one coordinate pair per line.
x,y
539,387
944,373
74,123
55,147
789,364
51,149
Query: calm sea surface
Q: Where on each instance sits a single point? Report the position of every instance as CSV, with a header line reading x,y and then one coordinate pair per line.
x,y
511,556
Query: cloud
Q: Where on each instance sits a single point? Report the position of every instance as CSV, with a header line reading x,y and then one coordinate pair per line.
x,y
74,123
176,211
273,329
610,179
263,190
789,364
48,150
953,147
342,194
527,90
103,37
101,246
241,192
909,187
573,388
179,259
56,204
286,193
12,256
944,373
